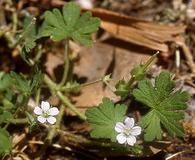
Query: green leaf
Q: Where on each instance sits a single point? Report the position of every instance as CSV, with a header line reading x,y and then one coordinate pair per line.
x,y
71,13
165,104
29,34
15,88
5,82
20,83
153,128
36,79
104,118
70,24
28,37
5,142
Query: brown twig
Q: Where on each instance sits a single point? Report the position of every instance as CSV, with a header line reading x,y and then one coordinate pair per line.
x,y
188,55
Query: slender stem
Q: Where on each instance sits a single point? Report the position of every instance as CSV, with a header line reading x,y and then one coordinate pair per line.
x,y
67,103
19,121
52,132
10,39
19,108
71,87
54,88
15,21
130,82
50,83
110,87
90,83
39,53
37,97
66,64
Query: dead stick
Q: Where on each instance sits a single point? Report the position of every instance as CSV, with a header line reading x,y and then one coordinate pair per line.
x,y
188,56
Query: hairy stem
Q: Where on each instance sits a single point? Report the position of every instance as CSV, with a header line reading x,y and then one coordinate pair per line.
x,y
53,130
50,83
90,83
72,87
19,121
15,21
130,82
54,89
37,97
66,64
67,103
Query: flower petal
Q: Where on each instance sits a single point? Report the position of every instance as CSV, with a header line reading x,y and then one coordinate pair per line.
x,y
131,140
121,138
45,106
41,119
38,111
51,120
53,111
119,127
136,131
129,122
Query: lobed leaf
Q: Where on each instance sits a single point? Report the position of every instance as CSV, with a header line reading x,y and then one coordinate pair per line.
x,y
70,24
36,79
166,106
153,126
104,118
71,13
5,142
21,84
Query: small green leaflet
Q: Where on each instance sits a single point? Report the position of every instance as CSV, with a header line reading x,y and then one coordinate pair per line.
x,y
165,104
5,142
5,82
28,37
69,24
36,78
104,118
14,81
20,83
29,34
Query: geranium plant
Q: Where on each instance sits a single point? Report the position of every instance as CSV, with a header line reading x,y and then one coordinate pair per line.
x,y
109,121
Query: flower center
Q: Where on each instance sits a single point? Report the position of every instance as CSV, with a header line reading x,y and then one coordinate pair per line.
x,y
127,131
45,114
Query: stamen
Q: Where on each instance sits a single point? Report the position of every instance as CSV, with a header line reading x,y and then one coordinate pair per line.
x,y
127,131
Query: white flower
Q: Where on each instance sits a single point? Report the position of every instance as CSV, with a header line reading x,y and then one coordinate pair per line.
x,y
127,131
87,4
45,113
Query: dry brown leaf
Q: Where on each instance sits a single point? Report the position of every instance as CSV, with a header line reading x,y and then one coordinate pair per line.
x,y
133,35
121,19
94,63
138,31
